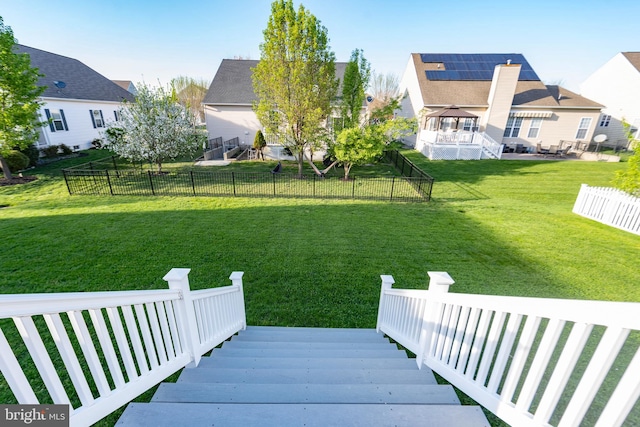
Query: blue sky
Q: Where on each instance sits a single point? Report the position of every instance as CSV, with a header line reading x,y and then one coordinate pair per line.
x,y
564,41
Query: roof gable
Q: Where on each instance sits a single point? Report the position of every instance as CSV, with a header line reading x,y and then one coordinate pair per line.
x,y
76,80
233,84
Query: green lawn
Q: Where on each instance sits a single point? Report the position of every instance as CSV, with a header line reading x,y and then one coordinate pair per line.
x,y
498,227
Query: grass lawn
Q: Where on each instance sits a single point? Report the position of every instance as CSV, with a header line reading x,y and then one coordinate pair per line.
x,y
498,227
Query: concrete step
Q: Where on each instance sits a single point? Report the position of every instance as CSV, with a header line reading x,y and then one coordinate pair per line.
x,y
257,333
295,345
307,393
308,376
307,363
309,415
307,353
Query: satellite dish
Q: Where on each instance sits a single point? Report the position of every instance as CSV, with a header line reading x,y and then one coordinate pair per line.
x,y
59,85
600,138
369,98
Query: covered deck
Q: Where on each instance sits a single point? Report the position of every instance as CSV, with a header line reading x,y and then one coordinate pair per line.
x,y
452,134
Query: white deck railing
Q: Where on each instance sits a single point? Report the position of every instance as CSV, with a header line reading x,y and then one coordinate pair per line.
x,y
530,361
609,206
96,351
459,145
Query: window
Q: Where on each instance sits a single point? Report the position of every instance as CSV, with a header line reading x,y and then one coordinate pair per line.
x,y
583,128
604,120
468,124
57,121
512,130
534,128
96,118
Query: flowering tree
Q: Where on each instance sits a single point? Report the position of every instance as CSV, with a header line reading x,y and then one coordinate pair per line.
x,y
154,128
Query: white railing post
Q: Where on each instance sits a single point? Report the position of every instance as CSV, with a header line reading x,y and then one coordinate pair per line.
x,y
387,282
236,280
178,278
439,282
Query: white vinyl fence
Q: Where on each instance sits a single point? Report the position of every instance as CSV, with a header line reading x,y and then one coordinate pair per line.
x,y
530,361
609,206
96,351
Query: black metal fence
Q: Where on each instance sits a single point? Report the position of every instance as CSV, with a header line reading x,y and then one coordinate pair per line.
x,y
410,170
104,178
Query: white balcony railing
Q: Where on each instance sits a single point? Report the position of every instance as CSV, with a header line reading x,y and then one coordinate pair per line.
x,y
458,145
96,351
530,361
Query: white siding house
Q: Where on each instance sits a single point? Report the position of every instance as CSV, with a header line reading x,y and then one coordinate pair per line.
x,y
617,85
78,101
513,107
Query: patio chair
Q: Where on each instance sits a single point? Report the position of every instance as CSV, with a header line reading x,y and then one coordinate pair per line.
x,y
540,150
553,150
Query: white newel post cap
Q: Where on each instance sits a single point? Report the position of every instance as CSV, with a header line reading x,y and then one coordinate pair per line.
x,y
439,281
177,276
387,281
236,275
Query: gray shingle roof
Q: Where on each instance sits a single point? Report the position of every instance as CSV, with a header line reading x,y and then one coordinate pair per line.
x,y
468,93
81,81
232,83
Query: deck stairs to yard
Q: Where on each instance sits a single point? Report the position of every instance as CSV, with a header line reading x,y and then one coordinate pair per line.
x,y
277,376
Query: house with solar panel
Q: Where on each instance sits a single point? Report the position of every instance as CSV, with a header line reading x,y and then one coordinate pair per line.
x,y
475,106
617,85
78,101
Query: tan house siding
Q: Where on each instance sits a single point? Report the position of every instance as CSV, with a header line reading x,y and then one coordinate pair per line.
x,y
503,87
561,126
232,121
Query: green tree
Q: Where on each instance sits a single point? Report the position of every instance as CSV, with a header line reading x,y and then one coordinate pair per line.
x,y
19,92
628,180
295,79
354,85
154,128
259,143
358,146
365,144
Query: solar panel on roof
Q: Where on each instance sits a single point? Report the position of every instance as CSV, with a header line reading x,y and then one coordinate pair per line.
x,y
474,66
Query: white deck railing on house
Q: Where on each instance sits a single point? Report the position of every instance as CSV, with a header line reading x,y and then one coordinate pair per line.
x,y
68,341
609,206
459,145
530,361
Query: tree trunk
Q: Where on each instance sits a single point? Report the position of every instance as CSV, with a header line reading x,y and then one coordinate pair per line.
x,y
347,169
159,168
5,168
300,161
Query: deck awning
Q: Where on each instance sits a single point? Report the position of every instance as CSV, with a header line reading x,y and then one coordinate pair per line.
x,y
543,114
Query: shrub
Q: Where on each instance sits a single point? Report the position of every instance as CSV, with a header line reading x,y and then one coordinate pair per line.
x,y
50,152
259,143
66,150
32,153
16,160
97,142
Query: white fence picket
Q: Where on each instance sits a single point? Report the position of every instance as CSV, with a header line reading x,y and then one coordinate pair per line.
x,y
609,206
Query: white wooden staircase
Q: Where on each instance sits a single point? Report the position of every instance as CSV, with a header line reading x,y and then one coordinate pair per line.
x,y
271,376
